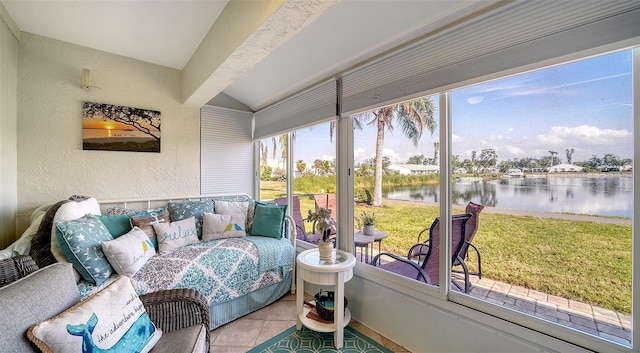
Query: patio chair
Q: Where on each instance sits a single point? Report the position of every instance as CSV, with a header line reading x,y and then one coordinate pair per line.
x,y
426,269
301,233
327,201
470,231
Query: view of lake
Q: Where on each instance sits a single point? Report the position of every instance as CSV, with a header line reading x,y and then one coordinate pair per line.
x,y
604,195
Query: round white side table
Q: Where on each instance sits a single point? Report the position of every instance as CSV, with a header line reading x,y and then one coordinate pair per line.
x,y
333,272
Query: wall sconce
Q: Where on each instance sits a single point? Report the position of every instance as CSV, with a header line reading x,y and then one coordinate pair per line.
x,y
86,80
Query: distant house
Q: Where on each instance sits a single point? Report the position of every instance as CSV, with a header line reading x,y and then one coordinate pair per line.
x,y
564,168
414,169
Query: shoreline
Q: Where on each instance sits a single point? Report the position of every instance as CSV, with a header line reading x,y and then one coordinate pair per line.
x,y
537,214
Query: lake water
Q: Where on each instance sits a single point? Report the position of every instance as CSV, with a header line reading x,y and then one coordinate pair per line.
x,y
605,195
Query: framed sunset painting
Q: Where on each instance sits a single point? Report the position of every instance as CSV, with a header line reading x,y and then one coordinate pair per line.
x,y
109,127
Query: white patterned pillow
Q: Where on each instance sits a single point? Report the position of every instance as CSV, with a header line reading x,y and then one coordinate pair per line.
x,y
112,320
217,226
235,207
176,234
129,252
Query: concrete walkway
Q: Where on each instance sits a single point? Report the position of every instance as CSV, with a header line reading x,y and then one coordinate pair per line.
x,y
601,322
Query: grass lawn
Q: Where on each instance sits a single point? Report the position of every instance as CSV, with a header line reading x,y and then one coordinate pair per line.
x,y
578,260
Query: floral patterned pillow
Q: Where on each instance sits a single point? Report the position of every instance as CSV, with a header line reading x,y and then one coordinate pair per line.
x,y
188,208
81,241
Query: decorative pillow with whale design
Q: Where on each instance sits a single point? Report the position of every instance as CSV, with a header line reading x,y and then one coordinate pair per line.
x,y
112,320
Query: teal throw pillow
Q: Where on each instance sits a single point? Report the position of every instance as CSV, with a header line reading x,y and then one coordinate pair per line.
x,y
179,211
81,241
268,220
116,224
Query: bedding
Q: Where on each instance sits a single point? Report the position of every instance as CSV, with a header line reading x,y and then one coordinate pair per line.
x,y
237,275
220,269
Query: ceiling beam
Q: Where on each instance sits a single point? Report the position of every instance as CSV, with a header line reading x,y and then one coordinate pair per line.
x,y
244,34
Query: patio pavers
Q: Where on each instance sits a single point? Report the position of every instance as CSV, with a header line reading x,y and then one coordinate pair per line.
x,y
608,324
598,321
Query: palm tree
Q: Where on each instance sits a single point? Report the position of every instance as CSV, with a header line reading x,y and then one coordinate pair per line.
x,y
263,155
552,154
301,165
410,116
569,154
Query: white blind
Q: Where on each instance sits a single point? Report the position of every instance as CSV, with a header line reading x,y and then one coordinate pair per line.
x,y
226,165
515,35
310,107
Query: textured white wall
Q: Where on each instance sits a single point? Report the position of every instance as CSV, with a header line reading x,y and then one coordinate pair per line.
x,y
51,163
8,121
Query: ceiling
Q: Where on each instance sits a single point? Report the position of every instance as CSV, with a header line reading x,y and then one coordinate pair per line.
x,y
332,36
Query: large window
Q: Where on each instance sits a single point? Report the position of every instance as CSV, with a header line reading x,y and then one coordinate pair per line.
x,y
396,159
550,152
516,163
544,161
313,173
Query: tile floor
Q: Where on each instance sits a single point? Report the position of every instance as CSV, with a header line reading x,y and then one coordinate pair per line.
x,y
251,330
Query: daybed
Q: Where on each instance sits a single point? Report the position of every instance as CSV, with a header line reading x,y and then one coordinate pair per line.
x,y
236,274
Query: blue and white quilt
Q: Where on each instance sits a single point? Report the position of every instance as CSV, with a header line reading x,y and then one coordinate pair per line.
x,y
220,269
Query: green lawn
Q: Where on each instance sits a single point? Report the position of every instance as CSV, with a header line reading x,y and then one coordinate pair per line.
x,y
583,261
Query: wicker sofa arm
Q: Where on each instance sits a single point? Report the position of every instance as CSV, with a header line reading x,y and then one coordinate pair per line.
x,y
175,309
14,268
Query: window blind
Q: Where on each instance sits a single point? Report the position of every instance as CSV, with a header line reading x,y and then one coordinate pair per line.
x,y
312,106
226,151
515,35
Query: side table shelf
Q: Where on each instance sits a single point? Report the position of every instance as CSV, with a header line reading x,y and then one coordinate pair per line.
x,y
334,272
320,326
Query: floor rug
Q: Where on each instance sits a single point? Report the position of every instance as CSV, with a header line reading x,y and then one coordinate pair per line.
x,y
307,341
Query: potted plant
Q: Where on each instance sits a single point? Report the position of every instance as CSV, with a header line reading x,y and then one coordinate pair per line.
x,y
322,222
368,222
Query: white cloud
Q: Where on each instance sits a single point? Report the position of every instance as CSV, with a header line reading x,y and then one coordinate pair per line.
x,y
583,135
359,154
512,151
475,99
394,157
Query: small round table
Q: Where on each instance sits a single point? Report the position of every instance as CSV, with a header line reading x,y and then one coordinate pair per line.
x,y
364,241
333,272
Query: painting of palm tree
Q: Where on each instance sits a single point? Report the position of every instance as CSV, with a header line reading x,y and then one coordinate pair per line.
x,y
411,117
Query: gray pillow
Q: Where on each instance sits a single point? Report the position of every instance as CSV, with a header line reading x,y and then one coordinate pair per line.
x,y
29,300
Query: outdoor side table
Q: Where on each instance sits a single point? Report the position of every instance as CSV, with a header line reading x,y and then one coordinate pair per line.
x,y
368,241
334,272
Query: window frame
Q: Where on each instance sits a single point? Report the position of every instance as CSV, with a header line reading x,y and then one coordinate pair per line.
x,y
443,297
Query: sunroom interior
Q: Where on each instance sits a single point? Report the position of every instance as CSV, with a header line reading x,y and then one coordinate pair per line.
x,y
266,82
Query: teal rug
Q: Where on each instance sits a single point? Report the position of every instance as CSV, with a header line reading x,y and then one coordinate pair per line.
x,y
307,341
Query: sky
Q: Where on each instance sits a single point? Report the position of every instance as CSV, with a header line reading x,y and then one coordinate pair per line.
x,y
584,105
